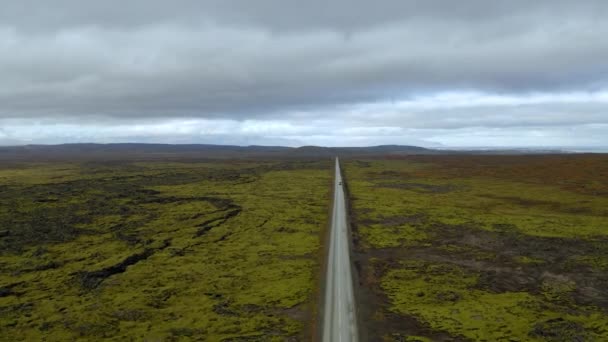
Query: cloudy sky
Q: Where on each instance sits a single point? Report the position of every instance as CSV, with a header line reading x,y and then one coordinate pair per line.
x,y
292,72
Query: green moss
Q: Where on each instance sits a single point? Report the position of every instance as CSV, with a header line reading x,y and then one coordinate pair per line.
x,y
230,250
557,288
467,252
403,235
523,259
417,339
477,252
444,296
384,189
596,262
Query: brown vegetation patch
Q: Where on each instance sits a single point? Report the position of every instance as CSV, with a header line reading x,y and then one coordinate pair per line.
x,y
391,221
421,187
584,173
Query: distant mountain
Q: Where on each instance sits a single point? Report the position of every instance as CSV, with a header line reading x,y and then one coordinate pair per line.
x,y
137,151
357,151
140,148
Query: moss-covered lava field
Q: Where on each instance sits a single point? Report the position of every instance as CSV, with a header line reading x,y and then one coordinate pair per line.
x,y
482,248
446,248
159,251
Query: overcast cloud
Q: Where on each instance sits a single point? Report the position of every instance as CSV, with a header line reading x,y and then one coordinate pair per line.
x,y
286,72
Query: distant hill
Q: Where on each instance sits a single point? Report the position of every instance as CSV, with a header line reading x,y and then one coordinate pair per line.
x,y
137,151
318,151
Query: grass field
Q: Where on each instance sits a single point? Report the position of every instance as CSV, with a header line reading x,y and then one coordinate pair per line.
x,y
157,251
484,248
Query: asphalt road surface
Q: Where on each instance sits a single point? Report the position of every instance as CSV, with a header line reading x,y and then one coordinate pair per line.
x,y
339,322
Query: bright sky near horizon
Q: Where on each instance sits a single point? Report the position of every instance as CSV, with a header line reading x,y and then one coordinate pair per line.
x,y
286,72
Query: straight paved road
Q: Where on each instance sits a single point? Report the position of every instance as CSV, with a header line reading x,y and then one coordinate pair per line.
x,y
340,322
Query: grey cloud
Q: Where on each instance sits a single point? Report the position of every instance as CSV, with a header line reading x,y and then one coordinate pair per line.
x,y
340,15
226,71
112,62
545,115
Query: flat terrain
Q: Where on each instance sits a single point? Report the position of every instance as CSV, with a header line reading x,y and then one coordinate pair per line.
x,y
158,251
483,248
